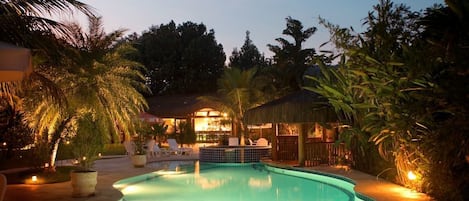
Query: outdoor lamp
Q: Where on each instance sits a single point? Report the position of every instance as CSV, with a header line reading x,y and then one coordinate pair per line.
x,y
34,179
411,175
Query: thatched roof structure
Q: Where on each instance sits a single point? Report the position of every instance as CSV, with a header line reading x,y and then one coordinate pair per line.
x,y
299,107
177,106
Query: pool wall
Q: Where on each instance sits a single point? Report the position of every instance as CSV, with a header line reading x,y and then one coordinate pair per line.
x,y
337,180
233,154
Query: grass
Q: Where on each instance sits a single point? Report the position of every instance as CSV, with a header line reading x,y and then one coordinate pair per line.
x,y
61,174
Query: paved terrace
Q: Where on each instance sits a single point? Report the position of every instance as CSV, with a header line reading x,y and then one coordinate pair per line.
x,y
116,168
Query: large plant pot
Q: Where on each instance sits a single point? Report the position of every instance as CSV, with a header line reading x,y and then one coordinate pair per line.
x,y
139,160
84,183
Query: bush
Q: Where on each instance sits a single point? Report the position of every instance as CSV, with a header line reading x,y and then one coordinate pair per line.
x,y
113,149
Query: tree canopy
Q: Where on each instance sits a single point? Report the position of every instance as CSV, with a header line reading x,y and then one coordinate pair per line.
x,y
181,59
248,57
290,59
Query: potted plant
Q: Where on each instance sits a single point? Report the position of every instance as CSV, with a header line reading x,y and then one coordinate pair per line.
x,y
144,131
86,145
160,131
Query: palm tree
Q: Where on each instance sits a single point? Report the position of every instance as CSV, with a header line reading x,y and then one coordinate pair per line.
x,y
238,91
96,79
23,22
290,57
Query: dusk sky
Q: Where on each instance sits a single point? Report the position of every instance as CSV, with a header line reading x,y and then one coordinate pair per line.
x,y
230,19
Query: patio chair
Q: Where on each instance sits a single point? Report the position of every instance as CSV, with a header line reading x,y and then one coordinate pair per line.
x,y
150,148
174,147
251,142
159,152
233,141
129,148
3,186
262,142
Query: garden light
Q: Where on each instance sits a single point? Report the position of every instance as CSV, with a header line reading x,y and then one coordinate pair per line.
x,y
411,176
34,179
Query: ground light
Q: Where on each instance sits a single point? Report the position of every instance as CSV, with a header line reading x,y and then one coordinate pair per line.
x,y
411,176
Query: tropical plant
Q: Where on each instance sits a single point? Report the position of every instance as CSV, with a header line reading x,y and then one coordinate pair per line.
x,y
160,131
186,133
238,91
95,76
25,22
446,29
143,133
290,58
375,90
88,141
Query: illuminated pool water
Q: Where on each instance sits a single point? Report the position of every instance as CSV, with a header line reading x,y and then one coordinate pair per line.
x,y
235,182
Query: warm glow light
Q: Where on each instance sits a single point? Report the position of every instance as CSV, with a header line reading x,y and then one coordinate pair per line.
x,y
46,165
67,142
34,179
411,176
84,158
99,155
4,144
225,114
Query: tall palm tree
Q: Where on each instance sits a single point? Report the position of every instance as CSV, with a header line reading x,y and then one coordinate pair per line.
x,y
238,91
96,78
291,57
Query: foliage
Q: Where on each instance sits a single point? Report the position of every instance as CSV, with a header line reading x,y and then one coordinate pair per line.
x,y
398,89
94,77
238,91
186,133
25,23
447,33
88,141
143,133
181,59
13,129
291,59
373,90
248,57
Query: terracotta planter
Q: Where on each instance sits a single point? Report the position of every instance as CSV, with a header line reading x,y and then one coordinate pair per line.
x,y
84,183
139,160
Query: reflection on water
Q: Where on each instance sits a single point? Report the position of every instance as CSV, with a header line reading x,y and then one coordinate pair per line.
x,y
206,183
200,181
265,183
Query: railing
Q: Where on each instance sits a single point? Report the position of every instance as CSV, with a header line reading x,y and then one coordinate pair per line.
x,y
316,153
329,153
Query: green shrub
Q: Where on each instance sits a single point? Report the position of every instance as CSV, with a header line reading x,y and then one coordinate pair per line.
x,y
113,149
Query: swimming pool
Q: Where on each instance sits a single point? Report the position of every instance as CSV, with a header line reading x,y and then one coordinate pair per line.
x,y
194,181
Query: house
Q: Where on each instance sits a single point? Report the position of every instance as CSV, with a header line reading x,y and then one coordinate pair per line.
x,y
206,117
297,131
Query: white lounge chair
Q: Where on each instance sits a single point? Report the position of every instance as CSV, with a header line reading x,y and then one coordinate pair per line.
x,y
262,142
160,152
150,148
129,148
174,147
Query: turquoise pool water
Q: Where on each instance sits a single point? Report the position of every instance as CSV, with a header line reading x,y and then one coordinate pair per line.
x,y
194,181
